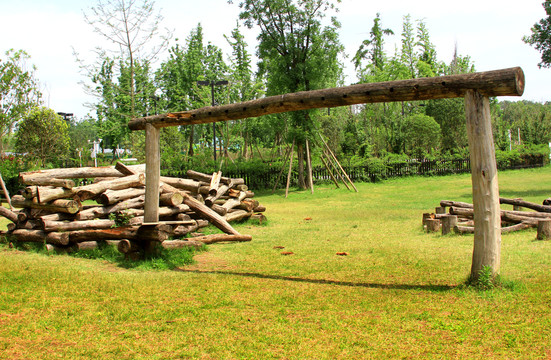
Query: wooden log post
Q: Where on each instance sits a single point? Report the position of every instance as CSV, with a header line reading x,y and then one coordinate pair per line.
x,y
544,229
448,223
153,173
487,235
152,182
433,225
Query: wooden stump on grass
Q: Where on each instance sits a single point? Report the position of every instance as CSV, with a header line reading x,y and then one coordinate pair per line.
x,y
448,223
544,229
433,225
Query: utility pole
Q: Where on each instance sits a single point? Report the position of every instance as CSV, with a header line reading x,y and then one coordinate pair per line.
x,y
212,84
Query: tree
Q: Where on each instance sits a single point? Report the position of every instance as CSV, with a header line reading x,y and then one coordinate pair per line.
x,y
132,27
243,87
373,48
18,91
296,53
114,105
177,78
540,38
43,135
423,135
427,64
408,55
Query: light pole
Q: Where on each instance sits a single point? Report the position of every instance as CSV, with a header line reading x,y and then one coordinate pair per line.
x,y
212,84
95,150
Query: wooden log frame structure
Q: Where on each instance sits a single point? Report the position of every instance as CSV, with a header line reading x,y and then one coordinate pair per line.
x,y
476,88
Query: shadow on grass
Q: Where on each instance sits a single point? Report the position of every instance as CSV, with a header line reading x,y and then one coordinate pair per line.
x,y
431,288
511,194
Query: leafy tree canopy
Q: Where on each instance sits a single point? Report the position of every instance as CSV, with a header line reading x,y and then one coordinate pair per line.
x,y
540,38
43,135
18,90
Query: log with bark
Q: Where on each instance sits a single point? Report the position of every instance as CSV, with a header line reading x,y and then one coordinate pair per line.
x,y
215,238
75,173
40,236
8,214
61,205
526,204
91,191
110,197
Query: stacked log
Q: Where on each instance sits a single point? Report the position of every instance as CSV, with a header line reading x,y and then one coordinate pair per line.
x,y
52,210
460,217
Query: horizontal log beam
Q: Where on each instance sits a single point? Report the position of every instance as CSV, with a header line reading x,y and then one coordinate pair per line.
x,y
505,82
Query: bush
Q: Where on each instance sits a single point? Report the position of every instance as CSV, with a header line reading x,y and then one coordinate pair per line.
x,y
10,167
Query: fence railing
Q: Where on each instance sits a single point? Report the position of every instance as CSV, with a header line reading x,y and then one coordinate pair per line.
x,y
265,179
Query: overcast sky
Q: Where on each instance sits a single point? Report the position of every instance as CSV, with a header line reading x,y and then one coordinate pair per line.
x,y
489,31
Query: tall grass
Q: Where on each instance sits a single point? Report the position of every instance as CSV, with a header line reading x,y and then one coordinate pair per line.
x,y
398,293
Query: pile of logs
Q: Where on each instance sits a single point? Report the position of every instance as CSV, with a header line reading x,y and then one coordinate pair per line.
x,y
54,212
460,217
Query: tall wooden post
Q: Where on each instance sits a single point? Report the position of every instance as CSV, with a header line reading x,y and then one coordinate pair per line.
x,y
152,173
487,235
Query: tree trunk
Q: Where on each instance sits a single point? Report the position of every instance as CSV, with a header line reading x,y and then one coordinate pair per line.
x,y
46,194
526,204
290,170
91,191
178,244
209,214
47,181
309,166
64,206
233,202
77,225
221,191
110,197
449,203
238,215
171,199
182,184
158,232
104,211
8,214
126,170
191,140
73,173
300,153
40,236
214,238
215,183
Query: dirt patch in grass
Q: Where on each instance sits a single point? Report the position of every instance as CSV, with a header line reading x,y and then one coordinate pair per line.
x,y
207,261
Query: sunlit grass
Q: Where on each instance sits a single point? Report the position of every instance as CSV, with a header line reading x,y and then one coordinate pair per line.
x,y
399,293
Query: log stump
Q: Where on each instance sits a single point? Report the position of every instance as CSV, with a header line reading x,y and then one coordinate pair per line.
x,y
448,223
439,210
544,229
433,225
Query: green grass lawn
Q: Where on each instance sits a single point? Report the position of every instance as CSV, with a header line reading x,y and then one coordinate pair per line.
x,y
398,293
